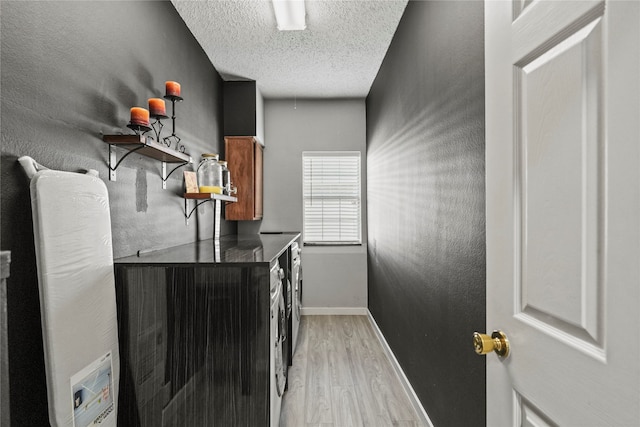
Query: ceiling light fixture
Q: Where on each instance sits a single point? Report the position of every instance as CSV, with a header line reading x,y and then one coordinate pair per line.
x,y
290,14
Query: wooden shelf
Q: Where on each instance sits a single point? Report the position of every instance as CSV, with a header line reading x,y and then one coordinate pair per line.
x,y
210,196
150,148
146,147
202,198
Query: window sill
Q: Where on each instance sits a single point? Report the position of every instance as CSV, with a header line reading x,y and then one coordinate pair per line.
x,y
330,244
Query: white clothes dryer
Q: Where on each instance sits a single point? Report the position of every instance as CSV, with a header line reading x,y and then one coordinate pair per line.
x,y
277,335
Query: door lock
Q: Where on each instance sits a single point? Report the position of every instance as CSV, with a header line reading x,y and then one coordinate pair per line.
x,y
497,342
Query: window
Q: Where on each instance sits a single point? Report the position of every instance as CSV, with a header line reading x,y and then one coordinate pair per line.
x,y
331,194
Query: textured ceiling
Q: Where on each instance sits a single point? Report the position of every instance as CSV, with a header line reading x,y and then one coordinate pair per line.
x,y
338,55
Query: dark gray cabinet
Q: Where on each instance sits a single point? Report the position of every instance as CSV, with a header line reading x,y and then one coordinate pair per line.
x,y
194,330
5,263
243,109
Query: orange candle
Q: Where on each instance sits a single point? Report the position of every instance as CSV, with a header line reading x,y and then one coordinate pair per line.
x,y
173,88
139,116
157,107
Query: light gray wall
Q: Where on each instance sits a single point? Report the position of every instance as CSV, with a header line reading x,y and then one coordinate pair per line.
x,y
333,276
259,116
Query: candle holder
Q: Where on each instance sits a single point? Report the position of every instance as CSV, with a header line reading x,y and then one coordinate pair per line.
x,y
143,121
173,138
157,124
138,128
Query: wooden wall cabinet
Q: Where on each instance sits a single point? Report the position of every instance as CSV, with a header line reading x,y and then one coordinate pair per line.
x,y
244,160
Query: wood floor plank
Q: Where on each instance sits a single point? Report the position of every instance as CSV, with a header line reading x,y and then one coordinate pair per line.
x,y
388,391
318,390
339,368
346,412
342,377
366,369
293,402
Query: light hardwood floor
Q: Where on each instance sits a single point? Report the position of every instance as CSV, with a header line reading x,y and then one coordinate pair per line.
x,y
341,377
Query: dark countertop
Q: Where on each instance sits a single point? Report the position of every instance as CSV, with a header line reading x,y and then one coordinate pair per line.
x,y
234,249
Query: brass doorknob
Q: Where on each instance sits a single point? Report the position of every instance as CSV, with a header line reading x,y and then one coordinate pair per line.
x,y
497,342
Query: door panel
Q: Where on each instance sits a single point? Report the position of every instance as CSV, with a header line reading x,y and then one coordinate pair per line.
x,y
558,142
563,209
530,416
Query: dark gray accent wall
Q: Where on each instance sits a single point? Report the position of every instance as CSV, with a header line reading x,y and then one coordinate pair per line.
x,y
426,200
70,72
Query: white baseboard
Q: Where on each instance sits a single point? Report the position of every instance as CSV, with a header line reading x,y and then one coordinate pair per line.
x,y
417,405
336,311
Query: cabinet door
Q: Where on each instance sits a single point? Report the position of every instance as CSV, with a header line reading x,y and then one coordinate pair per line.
x,y
244,159
257,214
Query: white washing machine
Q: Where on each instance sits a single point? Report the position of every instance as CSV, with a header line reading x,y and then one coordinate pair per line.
x,y
296,284
278,325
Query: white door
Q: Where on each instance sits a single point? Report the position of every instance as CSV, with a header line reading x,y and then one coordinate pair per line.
x,y
563,211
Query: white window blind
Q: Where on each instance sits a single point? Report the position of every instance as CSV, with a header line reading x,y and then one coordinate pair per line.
x,y
331,193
